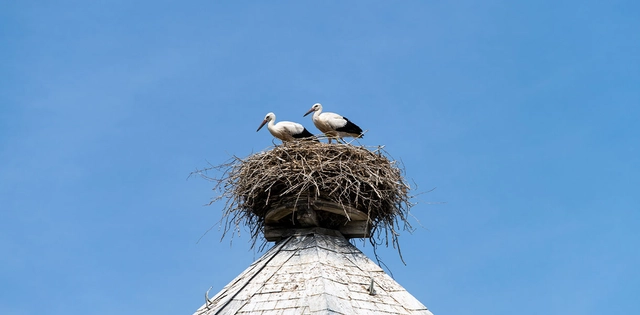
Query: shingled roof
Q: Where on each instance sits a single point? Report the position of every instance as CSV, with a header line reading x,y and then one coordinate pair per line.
x,y
313,271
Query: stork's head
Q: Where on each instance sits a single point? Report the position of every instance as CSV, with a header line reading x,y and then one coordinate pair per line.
x,y
315,108
269,117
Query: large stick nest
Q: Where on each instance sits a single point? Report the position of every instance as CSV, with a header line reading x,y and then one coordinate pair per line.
x,y
355,176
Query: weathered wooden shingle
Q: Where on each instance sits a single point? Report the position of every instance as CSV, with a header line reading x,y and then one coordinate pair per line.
x,y
315,271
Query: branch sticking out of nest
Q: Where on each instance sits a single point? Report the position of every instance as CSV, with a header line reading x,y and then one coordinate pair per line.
x,y
299,171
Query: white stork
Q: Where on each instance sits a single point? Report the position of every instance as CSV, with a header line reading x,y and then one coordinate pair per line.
x,y
333,125
285,130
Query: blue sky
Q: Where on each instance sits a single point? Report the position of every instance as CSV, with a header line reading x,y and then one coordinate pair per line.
x,y
523,115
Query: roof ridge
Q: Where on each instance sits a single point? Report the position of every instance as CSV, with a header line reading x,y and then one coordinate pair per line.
x,y
260,264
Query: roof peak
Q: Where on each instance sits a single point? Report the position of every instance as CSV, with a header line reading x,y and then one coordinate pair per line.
x,y
313,271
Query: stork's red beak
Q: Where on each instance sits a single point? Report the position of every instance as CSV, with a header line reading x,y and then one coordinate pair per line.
x,y
309,112
261,125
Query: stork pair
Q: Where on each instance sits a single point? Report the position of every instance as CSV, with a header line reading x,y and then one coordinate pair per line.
x,y
331,124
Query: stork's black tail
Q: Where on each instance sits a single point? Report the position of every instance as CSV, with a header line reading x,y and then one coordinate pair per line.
x,y
306,135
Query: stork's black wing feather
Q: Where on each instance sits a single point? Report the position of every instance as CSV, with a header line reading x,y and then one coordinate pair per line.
x,y
350,127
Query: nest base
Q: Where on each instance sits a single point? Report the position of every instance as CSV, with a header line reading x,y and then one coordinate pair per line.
x,y
354,229
350,222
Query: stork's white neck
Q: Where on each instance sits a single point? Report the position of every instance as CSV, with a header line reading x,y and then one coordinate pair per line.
x,y
272,123
317,113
